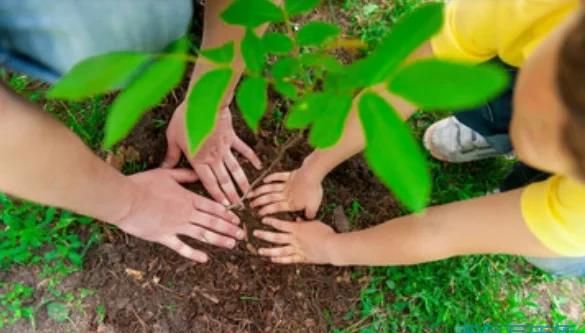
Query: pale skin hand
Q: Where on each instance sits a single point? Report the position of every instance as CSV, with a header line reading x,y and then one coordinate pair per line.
x,y
215,163
288,191
296,242
462,228
164,210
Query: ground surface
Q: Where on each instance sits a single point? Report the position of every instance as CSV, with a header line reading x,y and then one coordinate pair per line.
x,y
105,281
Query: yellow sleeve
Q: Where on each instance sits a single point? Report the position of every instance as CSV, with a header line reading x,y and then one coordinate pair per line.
x,y
479,30
554,210
469,32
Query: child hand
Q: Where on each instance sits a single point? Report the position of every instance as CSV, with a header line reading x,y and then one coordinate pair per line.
x,y
306,242
288,191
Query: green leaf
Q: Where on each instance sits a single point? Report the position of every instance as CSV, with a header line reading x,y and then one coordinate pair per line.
x,y
393,153
145,91
221,55
328,126
296,7
98,75
203,103
316,33
402,40
285,67
437,84
253,52
326,112
305,111
252,13
59,312
277,43
286,89
324,61
252,99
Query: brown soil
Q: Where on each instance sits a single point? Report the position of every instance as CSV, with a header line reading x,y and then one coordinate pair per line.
x,y
148,288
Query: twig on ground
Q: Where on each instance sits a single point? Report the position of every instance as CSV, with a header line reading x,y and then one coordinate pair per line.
x,y
289,144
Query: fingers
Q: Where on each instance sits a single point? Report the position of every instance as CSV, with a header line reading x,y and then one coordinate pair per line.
x,y
247,152
311,210
269,188
237,172
273,237
183,175
217,224
210,183
172,156
208,206
277,177
207,236
296,259
225,181
268,199
284,251
175,244
274,208
280,225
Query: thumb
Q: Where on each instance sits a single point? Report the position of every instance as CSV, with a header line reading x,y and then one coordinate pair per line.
x,y
183,175
173,155
311,210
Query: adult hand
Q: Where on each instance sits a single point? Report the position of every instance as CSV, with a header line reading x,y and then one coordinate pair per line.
x,y
307,242
214,163
162,209
289,191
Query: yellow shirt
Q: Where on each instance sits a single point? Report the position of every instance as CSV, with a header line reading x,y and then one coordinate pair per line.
x,y
479,30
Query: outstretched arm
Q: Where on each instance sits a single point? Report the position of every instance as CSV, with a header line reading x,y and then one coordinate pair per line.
x,y
488,225
44,162
301,188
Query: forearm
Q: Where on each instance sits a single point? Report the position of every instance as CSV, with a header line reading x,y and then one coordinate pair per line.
x,y
462,228
45,162
217,33
352,141
322,161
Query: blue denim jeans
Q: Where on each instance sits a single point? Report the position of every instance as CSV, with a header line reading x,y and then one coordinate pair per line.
x,y
45,38
492,120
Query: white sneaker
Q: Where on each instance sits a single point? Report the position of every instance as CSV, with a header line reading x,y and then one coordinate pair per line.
x,y
450,141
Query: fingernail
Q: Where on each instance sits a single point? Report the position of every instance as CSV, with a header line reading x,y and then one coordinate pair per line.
x,y
231,243
261,251
266,220
225,202
203,259
240,234
256,233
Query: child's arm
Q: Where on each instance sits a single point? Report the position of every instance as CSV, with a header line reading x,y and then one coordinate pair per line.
x,y
301,189
492,224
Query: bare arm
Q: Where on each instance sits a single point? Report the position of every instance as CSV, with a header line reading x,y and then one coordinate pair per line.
x,y
44,162
215,163
462,228
322,161
301,189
